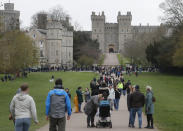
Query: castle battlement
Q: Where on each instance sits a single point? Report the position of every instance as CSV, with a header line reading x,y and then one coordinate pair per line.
x,y
113,36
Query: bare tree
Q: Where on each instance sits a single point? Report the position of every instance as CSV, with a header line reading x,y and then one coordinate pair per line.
x,y
34,22
136,47
77,27
173,10
57,13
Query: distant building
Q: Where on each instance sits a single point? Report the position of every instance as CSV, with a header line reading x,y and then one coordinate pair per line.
x,y
113,36
9,18
54,41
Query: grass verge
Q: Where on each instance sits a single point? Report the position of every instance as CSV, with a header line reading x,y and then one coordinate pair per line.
x,y
39,87
168,92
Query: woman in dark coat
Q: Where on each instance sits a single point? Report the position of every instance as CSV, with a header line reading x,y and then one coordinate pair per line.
x,y
149,107
90,109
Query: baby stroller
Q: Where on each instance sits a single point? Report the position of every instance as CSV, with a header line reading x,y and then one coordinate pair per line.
x,y
104,110
104,115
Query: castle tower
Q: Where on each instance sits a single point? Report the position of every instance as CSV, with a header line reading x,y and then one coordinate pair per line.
x,y
9,18
54,43
42,21
98,28
124,29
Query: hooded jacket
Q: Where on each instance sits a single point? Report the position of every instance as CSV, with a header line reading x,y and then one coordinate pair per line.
x,y
57,103
91,105
23,106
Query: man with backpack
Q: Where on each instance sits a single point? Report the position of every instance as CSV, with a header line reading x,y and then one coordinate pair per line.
x,y
57,103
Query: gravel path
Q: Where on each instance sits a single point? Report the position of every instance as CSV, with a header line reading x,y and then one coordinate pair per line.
x,y
111,59
119,119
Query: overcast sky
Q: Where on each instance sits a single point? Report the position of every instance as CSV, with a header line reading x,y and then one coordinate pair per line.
x,y
143,11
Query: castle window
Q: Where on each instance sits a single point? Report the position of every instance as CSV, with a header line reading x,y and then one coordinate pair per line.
x,y
41,53
95,30
56,52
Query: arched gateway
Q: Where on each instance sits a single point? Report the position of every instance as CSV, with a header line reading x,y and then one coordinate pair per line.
x,y
111,48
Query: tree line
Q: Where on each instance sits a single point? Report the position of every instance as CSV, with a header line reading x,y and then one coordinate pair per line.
x,y
167,52
162,48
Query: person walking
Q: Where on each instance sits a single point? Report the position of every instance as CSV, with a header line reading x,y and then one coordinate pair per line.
x,y
149,107
132,89
87,95
117,98
22,109
111,97
57,103
120,87
137,101
94,87
80,98
90,109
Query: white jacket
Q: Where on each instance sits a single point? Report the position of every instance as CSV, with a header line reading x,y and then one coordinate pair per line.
x,y
23,106
111,94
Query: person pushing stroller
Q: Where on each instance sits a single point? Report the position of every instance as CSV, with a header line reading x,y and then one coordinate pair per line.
x,y
90,109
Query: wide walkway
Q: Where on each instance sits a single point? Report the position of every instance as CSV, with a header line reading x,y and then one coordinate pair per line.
x,y
111,59
119,119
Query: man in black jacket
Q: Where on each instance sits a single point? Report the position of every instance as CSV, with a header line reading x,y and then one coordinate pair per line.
x,y
137,101
94,87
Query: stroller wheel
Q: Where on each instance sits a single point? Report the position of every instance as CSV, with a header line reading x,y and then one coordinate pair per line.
x,y
97,125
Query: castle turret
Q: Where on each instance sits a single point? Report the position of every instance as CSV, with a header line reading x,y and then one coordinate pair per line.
x,y
42,21
9,18
9,6
98,28
124,27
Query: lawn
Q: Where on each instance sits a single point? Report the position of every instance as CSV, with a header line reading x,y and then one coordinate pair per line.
x,y
123,60
168,91
39,88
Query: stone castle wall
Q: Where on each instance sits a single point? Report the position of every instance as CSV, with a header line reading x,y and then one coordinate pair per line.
x,y
115,35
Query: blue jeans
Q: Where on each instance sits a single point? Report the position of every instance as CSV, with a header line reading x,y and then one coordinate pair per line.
x,y
130,117
79,106
22,124
124,92
139,113
116,104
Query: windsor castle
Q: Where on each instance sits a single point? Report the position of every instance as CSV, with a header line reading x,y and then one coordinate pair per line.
x,y
113,36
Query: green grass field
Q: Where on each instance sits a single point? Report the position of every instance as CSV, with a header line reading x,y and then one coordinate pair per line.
x,y
39,88
168,91
123,60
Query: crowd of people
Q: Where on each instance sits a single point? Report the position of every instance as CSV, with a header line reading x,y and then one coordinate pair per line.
x,y
23,107
113,79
